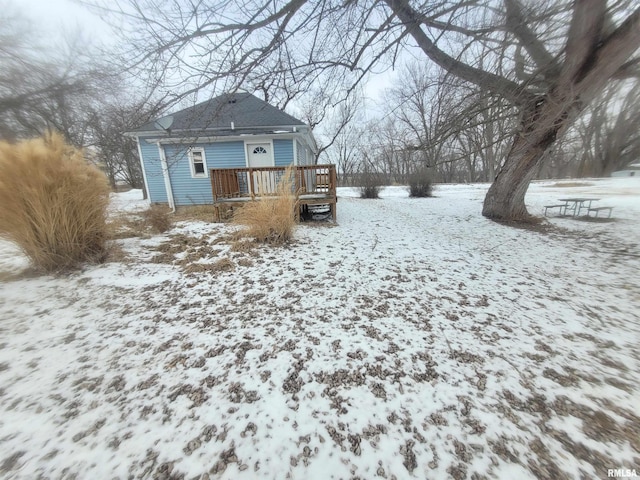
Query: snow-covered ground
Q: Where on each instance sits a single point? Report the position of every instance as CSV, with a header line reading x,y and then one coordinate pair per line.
x,y
415,339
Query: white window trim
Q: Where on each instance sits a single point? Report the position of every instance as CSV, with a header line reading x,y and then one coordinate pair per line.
x,y
204,162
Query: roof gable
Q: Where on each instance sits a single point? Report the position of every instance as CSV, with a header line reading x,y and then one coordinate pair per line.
x,y
226,112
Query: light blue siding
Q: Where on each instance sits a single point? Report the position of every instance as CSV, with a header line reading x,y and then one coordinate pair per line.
x,y
225,155
283,152
153,171
197,191
186,190
194,191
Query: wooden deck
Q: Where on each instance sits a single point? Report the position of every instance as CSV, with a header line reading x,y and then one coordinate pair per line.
x,y
313,184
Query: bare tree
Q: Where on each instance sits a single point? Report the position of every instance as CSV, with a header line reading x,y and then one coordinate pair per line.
x,y
428,108
329,122
44,87
65,88
346,152
555,86
560,56
451,121
484,138
116,153
392,149
608,133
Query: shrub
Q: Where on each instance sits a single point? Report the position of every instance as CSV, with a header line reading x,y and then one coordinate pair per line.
x,y
157,217
421,183
370,184
52,203
271,219
370,191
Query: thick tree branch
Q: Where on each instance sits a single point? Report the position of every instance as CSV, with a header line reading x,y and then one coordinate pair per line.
x,y
611,55
495,83
517,24
584,35
630,69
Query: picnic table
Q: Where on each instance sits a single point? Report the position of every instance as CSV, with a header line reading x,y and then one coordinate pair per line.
x,y
575,205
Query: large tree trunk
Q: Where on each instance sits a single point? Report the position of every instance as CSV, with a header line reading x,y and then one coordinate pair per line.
x,y
505,198
593,55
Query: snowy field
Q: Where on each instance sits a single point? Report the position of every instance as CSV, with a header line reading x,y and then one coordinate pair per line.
x,y
415,339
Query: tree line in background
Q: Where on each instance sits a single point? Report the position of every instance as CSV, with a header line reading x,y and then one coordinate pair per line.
x,y
463,136
73,90
510,81
501,91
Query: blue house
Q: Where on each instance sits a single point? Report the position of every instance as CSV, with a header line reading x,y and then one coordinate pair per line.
x,y
230,131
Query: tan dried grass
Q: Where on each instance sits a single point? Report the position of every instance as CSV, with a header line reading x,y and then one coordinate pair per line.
x,y
121,227
222,265
203,213
52,203
116,254
158,218
245,262
243,245
271,219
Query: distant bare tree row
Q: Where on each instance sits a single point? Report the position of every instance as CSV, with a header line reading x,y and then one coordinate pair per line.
x,y
433,122
463,135
65,89
40,88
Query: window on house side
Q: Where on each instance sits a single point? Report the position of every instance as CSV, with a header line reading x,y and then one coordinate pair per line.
x,y
259,150
197,162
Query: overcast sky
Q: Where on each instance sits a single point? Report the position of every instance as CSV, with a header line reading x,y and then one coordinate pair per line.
x,y
55,19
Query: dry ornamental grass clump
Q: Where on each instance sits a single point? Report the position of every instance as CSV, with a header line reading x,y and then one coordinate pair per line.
x,y
157,217
52,203
271,219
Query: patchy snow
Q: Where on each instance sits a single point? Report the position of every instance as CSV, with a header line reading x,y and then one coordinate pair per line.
x,y
12,261
416,339
130,201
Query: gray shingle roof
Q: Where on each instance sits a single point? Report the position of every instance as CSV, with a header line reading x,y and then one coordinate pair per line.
x,y
243,109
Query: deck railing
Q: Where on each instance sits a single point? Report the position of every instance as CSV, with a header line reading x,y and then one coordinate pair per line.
x,y
230,183
313,184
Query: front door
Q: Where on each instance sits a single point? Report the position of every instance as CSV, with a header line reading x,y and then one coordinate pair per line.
x,y
260,155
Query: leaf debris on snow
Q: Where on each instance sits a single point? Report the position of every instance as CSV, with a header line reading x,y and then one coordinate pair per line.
x,y
455,348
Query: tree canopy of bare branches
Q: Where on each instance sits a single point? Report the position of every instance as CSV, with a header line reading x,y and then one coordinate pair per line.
x,y
548,60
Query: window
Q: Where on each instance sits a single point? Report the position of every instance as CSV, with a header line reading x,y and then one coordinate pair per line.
x,y
259,150
198,162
